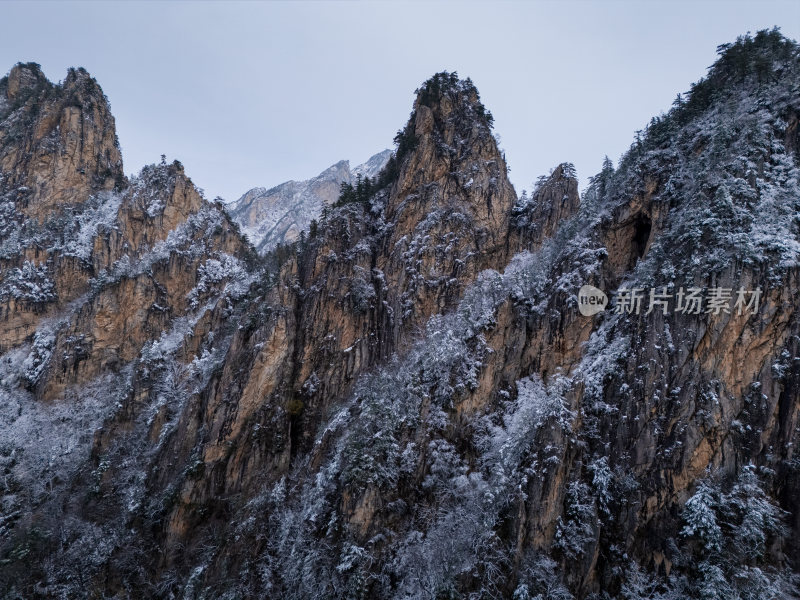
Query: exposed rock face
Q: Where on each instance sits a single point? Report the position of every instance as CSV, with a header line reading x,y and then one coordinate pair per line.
x,y
373,277
278,215
97,273
554,200
58,150
59,142
409,403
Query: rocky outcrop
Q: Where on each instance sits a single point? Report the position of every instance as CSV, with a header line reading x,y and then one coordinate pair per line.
x,y
58,141
58,154
554,200
100,274
357,292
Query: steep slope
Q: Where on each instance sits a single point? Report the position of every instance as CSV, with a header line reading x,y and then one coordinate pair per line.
x,y
98,272
409,403
59,165
352,296
521,448
278,215
190,400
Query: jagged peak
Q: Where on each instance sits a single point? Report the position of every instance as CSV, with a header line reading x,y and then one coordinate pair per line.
x,y
562,171
448,112
445,87
22,77
372,166
76,74
163,192
29,77
79,79
159,176
41,120
441,100
445,99
565,170
77,88
333,169
554,199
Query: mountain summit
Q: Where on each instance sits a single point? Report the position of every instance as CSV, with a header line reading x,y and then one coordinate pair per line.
x,y
277,215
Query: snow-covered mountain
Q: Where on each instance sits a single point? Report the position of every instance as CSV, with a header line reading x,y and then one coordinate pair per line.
x,y
277,215
412,402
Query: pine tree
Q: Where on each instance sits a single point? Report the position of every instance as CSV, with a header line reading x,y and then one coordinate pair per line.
x,y
701,519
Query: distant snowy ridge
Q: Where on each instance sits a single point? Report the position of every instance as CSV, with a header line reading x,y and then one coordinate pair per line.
x,y
269,217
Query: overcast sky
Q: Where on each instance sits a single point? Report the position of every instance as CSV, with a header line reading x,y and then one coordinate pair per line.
x,y
253,94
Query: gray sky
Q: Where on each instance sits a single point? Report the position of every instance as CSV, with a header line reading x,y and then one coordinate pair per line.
x,y
252,94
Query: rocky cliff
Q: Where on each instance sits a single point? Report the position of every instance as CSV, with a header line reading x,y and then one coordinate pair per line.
x,y
410,403
269,217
